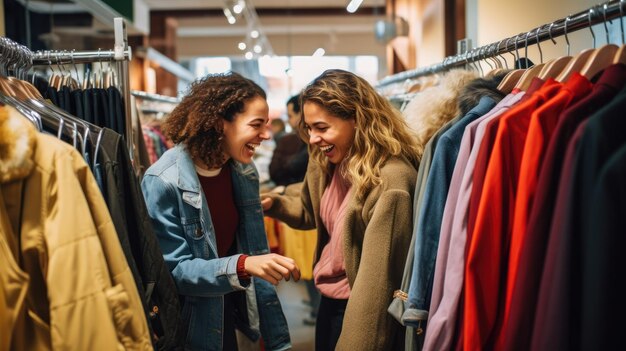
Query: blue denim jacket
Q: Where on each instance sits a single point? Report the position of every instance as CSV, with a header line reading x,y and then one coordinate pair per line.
x,y
182,222
428,225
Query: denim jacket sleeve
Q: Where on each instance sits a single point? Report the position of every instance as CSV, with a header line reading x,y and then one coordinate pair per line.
x,y
195,271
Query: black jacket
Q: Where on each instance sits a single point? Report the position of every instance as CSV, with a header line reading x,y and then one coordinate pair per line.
x,y
122,193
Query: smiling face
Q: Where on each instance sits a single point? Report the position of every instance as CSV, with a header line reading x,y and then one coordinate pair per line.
x,y
333,135
246,131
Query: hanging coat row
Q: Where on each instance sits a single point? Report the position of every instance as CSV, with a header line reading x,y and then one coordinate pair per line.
x,y
517,213
116,208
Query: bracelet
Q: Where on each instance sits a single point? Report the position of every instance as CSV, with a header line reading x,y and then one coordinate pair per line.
x,y
241,267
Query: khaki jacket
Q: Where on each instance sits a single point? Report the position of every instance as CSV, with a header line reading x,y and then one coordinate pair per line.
x,y
65,283
377,234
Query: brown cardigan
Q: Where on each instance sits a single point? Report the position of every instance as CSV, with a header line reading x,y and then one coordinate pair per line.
x,y
377,234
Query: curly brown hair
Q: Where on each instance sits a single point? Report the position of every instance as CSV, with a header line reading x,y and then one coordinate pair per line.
x,y
197,121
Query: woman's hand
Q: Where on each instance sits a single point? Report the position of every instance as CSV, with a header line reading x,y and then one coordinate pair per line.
x,y
266,202
272,267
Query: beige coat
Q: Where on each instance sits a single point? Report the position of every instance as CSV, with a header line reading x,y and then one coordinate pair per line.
x,y
64,281
377,234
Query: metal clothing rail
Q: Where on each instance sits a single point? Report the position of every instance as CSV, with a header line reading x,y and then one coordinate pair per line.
x,y
16,57
51,57
581,20
120,55
154,97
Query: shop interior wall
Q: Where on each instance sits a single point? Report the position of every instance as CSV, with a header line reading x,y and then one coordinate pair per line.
x,y
431,41
425,43
401,50
489,21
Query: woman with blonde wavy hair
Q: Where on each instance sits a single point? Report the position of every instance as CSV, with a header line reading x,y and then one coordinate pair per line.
x,y
358,194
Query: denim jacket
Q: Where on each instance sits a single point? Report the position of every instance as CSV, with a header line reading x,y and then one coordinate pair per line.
x,y
182,222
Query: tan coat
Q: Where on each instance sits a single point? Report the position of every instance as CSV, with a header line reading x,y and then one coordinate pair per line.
x,y
64,281
377,234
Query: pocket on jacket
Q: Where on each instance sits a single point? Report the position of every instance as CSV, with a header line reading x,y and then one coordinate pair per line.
x,y
196,239
119,303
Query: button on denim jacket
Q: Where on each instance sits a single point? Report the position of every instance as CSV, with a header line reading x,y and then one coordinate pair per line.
x,y
182,222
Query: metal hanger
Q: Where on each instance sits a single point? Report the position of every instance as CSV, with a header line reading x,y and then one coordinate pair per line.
x,y
516,51
620,55
593,35
498,54
475,59
601,57
531,72
577,62
566,38
526,45
606,29
511,51
539,44
555,66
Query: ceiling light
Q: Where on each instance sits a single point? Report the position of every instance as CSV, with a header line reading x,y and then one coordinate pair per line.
x,y
237,8
254,34
248,55
258,49
229,16
319,52
242,46
233,9
354,5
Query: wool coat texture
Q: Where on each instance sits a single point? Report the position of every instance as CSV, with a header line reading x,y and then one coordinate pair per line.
x,y
377,231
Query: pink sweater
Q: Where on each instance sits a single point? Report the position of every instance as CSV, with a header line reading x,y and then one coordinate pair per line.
x,y
330,271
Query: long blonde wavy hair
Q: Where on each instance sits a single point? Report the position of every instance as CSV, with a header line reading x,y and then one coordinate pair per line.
x,y
381,131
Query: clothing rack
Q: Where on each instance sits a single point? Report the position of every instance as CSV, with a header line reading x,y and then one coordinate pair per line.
x,y
121,55
154,97
50,57
581,20
155,103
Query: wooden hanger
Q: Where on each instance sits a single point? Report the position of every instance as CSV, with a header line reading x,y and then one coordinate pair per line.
x,y
554,67
15,90
602,57
510,80
6,88
575,65
24,88
524,82
620,55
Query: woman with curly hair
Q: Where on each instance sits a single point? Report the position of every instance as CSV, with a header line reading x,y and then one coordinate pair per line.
x,y
358,194
203,199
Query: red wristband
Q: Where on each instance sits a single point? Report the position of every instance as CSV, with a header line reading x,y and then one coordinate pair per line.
x,y
241,267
